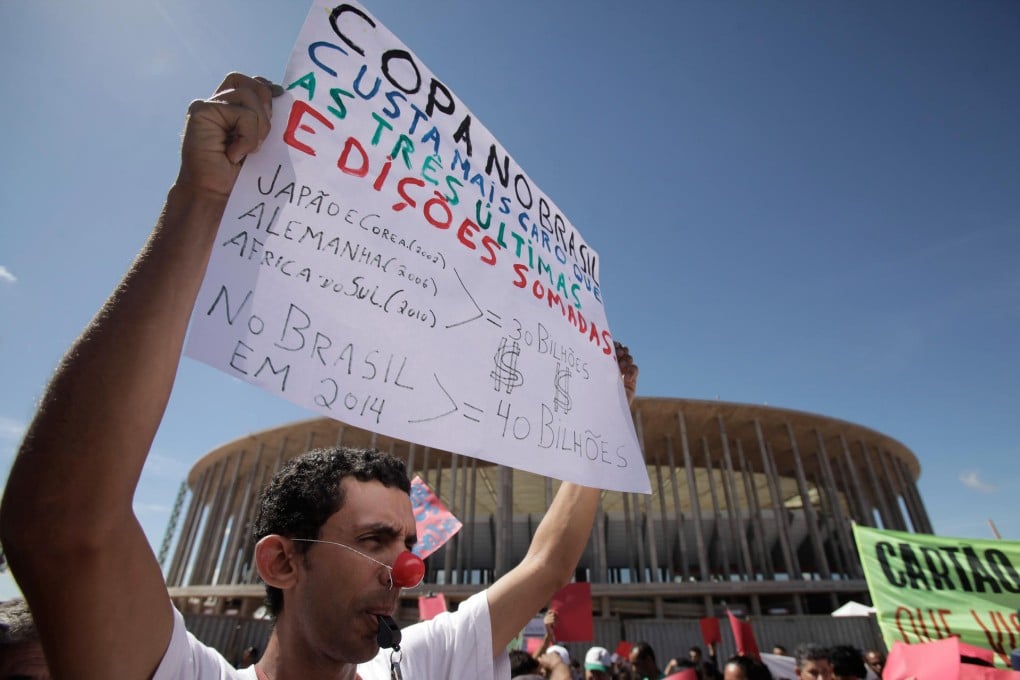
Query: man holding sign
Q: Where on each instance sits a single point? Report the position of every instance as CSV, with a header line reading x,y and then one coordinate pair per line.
x,y
82,559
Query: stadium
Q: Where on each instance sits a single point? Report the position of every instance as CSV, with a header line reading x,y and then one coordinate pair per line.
x,y
751,511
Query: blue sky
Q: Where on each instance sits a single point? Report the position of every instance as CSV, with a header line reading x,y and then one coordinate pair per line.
x,y
811,205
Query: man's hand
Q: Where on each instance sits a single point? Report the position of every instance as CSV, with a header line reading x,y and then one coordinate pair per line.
x,y
549,620
222,130
76,473
628,371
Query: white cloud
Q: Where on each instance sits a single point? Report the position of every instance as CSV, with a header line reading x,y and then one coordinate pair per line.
x,y
6,275
972,480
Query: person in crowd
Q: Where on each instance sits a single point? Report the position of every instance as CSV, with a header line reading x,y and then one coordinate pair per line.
x,y
21,652
812,662
779,650
598,664
555,663
679,665
847,663
642,658
745,668
524,665
549,638
875,661
330,572
249,656
707,666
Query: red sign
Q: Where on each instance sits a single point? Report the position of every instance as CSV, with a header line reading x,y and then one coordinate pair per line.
x,y
743,635
429,607
710,631
574,622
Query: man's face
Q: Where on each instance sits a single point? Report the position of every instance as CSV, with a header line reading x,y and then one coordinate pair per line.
x,y
733,671
591,674
694,655
818,669
641,664
875,662
340,593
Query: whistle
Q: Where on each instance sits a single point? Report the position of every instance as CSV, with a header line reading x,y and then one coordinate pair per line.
x,y
389,633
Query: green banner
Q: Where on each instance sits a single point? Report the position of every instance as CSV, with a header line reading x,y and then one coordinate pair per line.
x,y
932,587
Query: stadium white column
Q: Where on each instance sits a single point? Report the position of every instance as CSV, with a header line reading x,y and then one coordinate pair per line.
x,y
699,529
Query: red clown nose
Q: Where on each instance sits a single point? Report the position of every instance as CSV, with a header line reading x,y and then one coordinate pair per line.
x,y
408,570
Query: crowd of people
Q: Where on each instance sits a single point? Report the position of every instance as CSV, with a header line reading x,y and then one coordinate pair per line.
x,y
809,662
22,657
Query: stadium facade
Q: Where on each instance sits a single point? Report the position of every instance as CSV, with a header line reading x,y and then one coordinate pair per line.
x,y
751,509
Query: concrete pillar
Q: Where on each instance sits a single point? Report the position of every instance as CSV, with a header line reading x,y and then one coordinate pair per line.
x,y
724,548
185,543
649,528
864,507
504,517
600,545
923,523
410,460
681,532
469,524
890,486
246,571
667,534
810,516
202,558
450,554
425,467
239,522
845,542
692,486
778,509
737,527
230,502
757,522
876,488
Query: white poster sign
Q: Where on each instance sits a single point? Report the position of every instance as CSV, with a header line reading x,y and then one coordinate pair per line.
x,y
385,262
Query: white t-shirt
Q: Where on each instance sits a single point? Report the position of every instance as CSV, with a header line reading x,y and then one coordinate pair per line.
x,y
452,645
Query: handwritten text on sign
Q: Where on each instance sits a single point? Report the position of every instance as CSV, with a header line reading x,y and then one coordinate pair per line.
x,y
384,261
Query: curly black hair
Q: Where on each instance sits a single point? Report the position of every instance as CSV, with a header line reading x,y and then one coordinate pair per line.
x,y
306,492
847,662
753,668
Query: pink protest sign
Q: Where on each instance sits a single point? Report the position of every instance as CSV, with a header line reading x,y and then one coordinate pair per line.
x,y
436,525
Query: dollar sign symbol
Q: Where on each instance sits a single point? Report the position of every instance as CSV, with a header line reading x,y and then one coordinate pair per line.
x,y
505,374
562,400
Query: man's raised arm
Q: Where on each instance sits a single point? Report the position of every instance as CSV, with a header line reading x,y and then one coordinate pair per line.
x,y
555,549
67,524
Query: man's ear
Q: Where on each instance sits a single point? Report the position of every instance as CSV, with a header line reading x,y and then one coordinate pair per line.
x,y
277,561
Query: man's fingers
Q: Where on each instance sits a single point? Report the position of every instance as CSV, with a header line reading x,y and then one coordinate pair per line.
x,y
238,81
275,90
242,118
